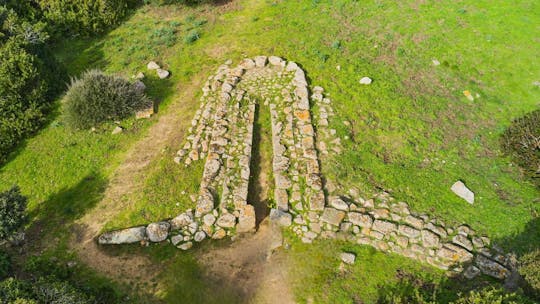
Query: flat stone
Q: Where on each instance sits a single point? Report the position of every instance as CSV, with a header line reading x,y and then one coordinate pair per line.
x,y
280,217
260,61
205,203
429,239
471,272
491,268
185,246
181,221
152,65
462,191
408,231
316,201
437,229
199,236
339,204
384,226
332,216
117,130
277,61
416,222
359,219
162,74
124,236
177,239
209,219
227,220
282,199
348,258
366,80
158,232
219,234
246,220
454,254
463,241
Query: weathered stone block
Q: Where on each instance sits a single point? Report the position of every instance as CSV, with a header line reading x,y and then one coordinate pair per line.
x,y
384,226
124,236
332,216
362,220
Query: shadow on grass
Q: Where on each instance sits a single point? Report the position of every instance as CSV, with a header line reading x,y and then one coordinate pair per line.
x,y
68,205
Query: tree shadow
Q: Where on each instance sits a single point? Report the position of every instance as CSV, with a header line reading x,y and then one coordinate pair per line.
x,y
68,204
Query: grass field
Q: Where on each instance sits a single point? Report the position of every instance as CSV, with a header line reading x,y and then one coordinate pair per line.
x,y
413,131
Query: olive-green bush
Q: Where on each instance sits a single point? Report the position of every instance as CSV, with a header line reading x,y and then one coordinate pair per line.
x,y
522,141
96,97
529,269
82,17
492,296
29,79
12,211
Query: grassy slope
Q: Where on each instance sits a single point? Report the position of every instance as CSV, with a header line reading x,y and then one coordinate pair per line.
x,y
413,131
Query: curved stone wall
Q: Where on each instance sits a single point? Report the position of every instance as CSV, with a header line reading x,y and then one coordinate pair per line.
x,y
221,134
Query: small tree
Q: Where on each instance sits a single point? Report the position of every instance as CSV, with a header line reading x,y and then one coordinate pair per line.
x,y
12,211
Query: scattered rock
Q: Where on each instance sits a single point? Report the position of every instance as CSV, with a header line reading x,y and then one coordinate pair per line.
x,y
435,62
139,76
152,65
162,74
462,191
348,258
468,94
366,81
117,130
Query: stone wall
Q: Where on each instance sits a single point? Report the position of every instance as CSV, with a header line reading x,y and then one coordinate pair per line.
x,y
221,133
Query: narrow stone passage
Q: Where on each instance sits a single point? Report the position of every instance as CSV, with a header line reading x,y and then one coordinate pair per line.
x,y
261,164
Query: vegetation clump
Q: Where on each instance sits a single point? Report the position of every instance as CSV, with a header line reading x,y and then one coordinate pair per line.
x,y
522,141
12,211
82,17
27,79
96,97
530,270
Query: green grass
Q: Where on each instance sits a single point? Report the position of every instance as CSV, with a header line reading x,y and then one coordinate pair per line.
x,y
413,132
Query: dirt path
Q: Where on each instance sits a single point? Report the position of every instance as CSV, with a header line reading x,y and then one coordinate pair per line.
x,y
125,182
252,266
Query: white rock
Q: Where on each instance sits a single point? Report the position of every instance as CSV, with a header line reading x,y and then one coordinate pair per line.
x,y
339,204
162,74
435,62
462,191
185,246
117,130
365,80
348,258
199,236
152,65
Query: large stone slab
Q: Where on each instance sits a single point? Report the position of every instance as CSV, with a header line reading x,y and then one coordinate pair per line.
x,y
124,236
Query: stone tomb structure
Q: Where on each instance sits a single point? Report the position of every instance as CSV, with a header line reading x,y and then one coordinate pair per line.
x,y
221,134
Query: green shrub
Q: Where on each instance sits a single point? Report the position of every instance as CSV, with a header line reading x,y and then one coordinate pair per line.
x,y
5,264
97,97
492,296
522,141
60,292
82,17
12,211
530,270
12,290
27,87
